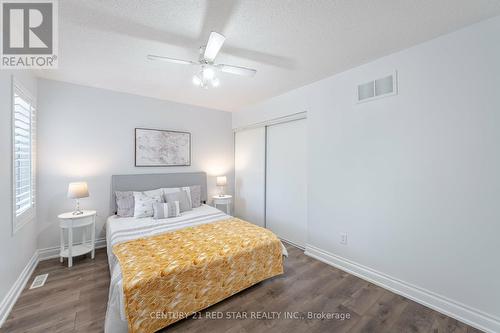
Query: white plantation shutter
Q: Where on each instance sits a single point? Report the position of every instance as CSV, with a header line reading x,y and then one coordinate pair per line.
x,y
24,134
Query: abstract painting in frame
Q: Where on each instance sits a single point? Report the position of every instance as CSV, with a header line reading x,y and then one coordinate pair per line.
x,y
158,148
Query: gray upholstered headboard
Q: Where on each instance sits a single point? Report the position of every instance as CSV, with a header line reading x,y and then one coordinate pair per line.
x,y
146,182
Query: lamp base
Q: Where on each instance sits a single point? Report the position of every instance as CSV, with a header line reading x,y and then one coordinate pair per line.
x,y
77,210
221,192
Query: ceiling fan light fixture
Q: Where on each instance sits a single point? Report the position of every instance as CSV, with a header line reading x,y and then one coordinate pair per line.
x,y
206,76
208,73
197,80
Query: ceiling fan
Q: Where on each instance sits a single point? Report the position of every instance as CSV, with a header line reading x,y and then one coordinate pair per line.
x,y
206,77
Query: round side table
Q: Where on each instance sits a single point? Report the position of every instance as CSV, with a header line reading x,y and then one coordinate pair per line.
x,y
68,222
223,200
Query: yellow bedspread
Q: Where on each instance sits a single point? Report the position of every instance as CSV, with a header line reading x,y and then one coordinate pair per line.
x,y
170,276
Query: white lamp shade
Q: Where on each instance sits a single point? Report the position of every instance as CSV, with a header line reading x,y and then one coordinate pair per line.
x,y
221,181
78,190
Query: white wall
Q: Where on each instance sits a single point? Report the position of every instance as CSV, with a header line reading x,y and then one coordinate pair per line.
x,y
413,179
88,134
15,250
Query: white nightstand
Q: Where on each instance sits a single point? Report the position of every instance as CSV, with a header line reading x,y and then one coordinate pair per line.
x,y
223,200
84,221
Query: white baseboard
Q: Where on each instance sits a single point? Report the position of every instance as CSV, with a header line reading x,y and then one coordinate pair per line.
x,y
14,292
292,243
53,252
41,254
466,314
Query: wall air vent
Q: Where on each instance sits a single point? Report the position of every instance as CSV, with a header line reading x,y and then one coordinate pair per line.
x,y
383,87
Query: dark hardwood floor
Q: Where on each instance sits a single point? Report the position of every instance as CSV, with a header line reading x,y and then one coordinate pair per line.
x,y
74,300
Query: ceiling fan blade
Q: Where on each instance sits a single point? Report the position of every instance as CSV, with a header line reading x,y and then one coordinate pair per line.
x,y
214,44
172,60
237,70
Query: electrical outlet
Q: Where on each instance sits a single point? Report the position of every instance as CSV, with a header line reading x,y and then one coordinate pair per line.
x,y
343,238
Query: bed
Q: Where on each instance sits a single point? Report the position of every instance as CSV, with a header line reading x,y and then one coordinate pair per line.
x,y
124,233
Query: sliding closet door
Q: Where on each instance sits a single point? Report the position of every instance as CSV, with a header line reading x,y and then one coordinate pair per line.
x,y
250,159
286,181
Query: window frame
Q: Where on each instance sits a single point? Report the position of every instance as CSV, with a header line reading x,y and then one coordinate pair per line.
x,y
30,214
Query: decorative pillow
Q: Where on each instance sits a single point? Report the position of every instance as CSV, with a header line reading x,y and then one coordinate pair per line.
x,y
165,210
157,192
195,192
177,189
124,203
170,190
143,203
182,197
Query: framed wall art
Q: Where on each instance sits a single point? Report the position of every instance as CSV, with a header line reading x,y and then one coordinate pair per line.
x,y
159,148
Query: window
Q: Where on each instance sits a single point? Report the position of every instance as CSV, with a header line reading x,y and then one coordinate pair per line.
x,y
23,155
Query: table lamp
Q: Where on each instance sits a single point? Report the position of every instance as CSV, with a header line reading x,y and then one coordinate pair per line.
x,y
77,191
221,181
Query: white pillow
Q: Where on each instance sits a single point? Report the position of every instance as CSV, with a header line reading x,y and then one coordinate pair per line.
x,y
177,189
143,202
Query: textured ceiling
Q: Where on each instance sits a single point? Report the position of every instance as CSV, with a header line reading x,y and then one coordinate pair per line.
x,y
104,43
